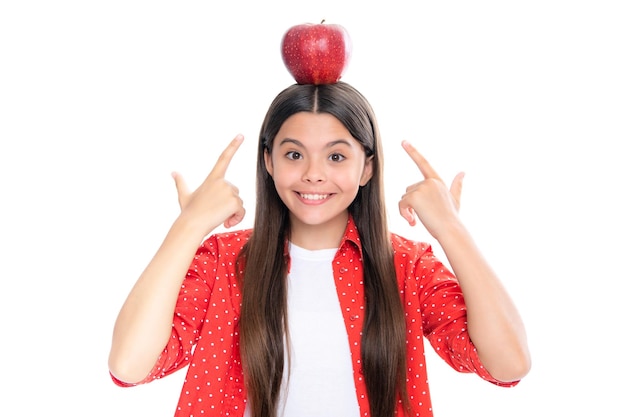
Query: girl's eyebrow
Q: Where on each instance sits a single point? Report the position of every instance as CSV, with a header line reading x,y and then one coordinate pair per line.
x,y
328,145
289,140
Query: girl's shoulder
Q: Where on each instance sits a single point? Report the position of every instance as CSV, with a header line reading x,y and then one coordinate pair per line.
x,y
408,247
231,239
417,266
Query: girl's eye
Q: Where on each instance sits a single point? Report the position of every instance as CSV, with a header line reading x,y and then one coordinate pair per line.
x,y
336,157
294,155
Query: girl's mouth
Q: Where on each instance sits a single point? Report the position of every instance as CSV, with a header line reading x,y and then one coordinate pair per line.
x,y
313,197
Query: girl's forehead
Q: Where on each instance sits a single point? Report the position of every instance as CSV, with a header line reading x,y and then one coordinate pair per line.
x,y
313,126
306,117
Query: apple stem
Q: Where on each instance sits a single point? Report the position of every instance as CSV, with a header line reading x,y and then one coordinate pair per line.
x,y
322,22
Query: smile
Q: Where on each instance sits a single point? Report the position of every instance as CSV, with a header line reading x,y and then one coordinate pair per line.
x,y
314,197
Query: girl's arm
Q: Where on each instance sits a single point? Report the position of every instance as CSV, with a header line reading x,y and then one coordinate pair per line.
x,y
144,323
494,324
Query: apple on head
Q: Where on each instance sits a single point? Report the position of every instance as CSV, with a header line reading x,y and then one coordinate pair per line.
x,y
316,53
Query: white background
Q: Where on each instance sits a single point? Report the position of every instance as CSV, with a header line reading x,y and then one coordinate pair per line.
x,y
100,101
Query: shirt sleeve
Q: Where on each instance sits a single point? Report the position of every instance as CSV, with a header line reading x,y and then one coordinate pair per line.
x,y
189,315
444,316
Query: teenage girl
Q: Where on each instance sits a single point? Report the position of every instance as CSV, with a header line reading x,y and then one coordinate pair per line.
x,y
318,310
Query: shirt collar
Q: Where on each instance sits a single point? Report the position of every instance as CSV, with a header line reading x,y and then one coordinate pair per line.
x,y
350,236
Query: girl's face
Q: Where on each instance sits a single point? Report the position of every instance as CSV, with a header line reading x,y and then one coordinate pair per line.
x,y
317,168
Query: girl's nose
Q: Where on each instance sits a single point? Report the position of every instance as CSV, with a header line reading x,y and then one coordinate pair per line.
x,y
314,172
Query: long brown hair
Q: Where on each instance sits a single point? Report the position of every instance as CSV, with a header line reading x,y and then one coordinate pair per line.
x,y
263,320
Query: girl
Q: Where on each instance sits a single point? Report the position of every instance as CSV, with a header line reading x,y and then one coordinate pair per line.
x,y
318,310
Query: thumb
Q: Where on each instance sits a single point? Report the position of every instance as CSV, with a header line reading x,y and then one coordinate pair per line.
x,y
456,187
181,189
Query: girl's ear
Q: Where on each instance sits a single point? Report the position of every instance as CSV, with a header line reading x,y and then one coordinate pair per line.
x,y
368,171
268,162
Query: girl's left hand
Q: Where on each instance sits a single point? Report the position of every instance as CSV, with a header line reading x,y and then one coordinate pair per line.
x,y
430,200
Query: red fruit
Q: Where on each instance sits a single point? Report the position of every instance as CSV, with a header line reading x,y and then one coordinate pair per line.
x,y
316,53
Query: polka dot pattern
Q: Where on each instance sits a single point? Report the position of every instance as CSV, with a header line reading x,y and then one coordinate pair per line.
x,y
205,327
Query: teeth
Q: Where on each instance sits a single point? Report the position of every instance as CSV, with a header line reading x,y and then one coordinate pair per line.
x,y
314,196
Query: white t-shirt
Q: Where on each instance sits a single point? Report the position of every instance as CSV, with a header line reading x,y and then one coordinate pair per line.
x,y
321,381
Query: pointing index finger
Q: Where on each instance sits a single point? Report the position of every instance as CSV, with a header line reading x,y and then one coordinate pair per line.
x,y
424,166
225,157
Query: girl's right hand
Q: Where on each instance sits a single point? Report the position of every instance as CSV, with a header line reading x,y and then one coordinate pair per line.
x,y
215,201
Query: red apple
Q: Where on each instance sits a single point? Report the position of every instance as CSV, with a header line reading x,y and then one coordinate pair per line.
x,y
316,53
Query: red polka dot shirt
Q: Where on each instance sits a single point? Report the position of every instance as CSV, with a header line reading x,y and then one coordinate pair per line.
x,y
205,333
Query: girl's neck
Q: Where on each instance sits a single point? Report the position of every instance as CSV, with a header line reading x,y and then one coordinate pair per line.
x,y
318,236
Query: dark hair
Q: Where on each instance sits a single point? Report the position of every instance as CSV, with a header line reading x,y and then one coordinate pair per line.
x,y
263,320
